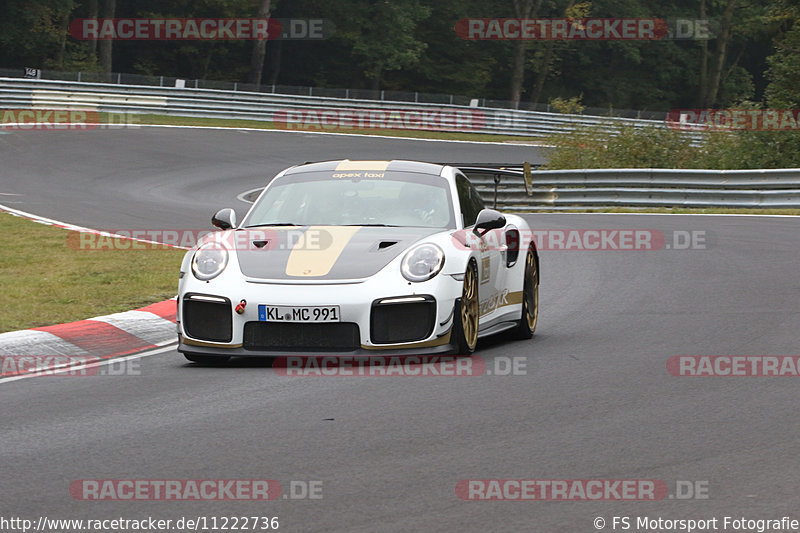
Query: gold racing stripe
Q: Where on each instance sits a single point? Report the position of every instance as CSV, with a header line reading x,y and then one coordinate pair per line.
x,y
305,261
362,165
512,298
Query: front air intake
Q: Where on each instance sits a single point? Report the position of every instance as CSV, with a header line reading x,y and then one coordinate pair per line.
x,y
207,318
404,319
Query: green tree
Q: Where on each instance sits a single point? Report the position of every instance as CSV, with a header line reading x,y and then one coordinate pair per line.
x,y
33,32
784,65
382,34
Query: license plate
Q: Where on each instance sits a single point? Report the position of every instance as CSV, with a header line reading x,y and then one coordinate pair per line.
x,y
280,313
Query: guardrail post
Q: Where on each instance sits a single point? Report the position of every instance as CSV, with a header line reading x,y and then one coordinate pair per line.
x,y
79,77
273,88
416,97
309,92
451,99
119,78
381,94
196,82
235,85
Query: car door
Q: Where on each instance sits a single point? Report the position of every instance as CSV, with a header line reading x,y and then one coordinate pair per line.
x,y
491,267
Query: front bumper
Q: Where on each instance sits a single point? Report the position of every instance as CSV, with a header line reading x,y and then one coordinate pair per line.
x,y
358,304
440,349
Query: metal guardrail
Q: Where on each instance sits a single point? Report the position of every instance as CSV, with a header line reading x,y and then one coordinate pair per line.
x,y
557,189
121,78
578,189
113,98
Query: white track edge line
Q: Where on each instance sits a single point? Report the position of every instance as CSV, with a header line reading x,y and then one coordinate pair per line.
x,y
274,130
81,229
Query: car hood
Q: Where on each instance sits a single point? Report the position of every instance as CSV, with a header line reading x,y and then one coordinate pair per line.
x,y
323,252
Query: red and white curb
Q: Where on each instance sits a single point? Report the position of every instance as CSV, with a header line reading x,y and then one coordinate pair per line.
x,y
98,338
93,339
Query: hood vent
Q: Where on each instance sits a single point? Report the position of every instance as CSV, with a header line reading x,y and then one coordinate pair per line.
x,y
382,245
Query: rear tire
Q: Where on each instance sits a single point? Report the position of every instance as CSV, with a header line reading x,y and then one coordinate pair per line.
x,y
207,359
530,299
465,317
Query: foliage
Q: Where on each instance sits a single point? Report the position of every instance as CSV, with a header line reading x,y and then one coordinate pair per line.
x,y
571,106
660,147
621,147
410,45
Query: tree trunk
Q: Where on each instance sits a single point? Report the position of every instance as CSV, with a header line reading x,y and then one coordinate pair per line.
x,y
703,60
721,53
259,49
547,60
275,61
375,78
106,45
63,44
541,76
522,10
93,15
517,73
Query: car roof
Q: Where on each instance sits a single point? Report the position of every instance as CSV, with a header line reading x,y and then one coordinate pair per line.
x,y
346,164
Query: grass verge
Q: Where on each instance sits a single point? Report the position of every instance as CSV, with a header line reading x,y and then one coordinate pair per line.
x,y
44,280
164,120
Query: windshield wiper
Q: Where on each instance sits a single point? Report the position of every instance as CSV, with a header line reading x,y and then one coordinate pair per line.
x,y
375,225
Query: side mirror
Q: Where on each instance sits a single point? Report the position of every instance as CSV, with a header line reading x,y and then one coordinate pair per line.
x,y
488,219
224,219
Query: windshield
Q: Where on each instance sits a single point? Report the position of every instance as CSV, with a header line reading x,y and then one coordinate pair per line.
x,y
319,199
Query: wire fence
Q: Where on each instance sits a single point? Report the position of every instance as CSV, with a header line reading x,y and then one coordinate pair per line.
x,y
120,78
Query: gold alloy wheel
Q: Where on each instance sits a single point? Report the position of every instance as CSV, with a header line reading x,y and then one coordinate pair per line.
x,y
530,301
469,308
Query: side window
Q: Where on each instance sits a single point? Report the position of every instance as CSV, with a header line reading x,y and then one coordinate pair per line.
x,y
469,200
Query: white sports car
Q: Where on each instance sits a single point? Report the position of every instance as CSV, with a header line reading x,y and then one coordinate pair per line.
x,y
358,258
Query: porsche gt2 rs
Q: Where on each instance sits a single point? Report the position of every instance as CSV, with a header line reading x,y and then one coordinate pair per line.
x,y
359,257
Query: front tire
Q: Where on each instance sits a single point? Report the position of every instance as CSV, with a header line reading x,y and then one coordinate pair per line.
x,y
465,327
530,299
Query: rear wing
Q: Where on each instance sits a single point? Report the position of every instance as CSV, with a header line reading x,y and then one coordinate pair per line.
x,y
497,171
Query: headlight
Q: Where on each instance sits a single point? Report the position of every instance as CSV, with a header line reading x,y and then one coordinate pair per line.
x,y
422,262
209,261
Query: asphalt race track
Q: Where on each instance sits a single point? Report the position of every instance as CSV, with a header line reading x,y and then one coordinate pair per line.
x,y
177,178
595,400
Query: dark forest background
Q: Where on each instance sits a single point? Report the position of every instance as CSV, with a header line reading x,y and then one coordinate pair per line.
x,y
410,45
